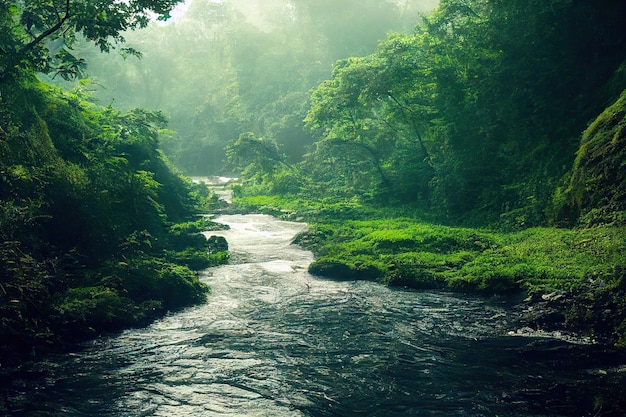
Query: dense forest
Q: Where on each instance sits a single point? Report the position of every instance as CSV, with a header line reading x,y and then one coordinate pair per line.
x,y
483,152
475,117
471,145
222,69
98,231
472,114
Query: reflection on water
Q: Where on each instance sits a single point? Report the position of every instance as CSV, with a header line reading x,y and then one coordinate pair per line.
x,y
275,341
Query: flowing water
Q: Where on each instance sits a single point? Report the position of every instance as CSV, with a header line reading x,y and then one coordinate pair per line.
x,y
273,340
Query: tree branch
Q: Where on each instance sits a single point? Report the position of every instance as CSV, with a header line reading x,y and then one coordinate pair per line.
x,y
51,30
410,119
371,151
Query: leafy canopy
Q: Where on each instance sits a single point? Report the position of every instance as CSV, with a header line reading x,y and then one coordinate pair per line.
x,y
39,34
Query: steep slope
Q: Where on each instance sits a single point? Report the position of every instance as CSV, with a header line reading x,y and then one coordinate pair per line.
x,y
594,192
97,231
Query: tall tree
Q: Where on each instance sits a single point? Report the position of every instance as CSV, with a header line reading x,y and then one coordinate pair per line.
x,y
236,66
517,82
484,103
379,108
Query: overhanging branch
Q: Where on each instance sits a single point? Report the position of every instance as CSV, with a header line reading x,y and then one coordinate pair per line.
x,y
61,21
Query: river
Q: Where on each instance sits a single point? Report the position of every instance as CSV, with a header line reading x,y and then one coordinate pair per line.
x,y
274,341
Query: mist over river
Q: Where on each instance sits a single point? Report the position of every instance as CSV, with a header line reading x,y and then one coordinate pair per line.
x,y
272,340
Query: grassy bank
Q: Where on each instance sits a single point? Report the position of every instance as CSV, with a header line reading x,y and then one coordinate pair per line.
x,y
582,268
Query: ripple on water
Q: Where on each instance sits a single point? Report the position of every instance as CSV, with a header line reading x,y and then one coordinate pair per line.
x,y
274,341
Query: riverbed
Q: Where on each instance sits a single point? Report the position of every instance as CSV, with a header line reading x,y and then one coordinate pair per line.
x,y
273,340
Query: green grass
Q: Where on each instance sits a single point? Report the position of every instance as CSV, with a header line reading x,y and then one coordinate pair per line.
x,y
421,255
357,242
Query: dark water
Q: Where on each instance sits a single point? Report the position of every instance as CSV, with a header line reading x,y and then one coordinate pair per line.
x,y
274,341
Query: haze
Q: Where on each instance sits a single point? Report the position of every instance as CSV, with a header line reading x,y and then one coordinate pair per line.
x,y
221,68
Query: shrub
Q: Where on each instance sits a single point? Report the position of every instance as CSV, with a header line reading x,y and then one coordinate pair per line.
x,y
83,310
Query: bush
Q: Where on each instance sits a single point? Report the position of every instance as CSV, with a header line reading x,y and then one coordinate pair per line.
x,y
178,287
83,310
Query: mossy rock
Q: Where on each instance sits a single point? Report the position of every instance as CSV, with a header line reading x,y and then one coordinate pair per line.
x,y
596,191
343,270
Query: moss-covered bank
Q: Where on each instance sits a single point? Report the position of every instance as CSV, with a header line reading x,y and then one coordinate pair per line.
x,y
581,272
97,230
594,191
571,271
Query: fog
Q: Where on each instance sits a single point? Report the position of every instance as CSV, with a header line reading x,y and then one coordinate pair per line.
x,y
220,68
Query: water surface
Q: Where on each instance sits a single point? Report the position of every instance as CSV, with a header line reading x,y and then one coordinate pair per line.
x,y
273,340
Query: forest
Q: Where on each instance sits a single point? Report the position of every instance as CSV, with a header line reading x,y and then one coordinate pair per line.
x,y
481,153
98,230
468,145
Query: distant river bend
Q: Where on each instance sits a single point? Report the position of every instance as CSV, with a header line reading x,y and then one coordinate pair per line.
x,y
273,340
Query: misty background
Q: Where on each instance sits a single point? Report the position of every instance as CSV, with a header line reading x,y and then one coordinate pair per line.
x,y
222,68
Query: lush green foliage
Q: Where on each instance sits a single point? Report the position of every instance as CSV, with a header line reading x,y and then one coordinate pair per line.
x,y
594,192
352,241
473,118
39,35
97,230
227,68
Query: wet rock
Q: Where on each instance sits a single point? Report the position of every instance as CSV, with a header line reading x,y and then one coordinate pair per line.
x,y
544,314
217,244
553,296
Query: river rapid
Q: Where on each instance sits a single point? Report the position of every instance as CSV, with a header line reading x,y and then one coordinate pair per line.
x,y
272,340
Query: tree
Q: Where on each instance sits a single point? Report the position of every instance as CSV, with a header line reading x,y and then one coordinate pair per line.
x,y
477,110
374,109
517,82
42,32
229,67
256,157
96,230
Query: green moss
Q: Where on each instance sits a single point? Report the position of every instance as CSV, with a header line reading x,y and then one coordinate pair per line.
x,y
131,294
192,249
89,308
97,231
405,251
594,192
288,206
349,268
409,253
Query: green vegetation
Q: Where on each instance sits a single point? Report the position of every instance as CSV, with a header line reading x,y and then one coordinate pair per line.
x,y
227,68
450,159
594,191
362,243
41,35
97,230
474,118
356,242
